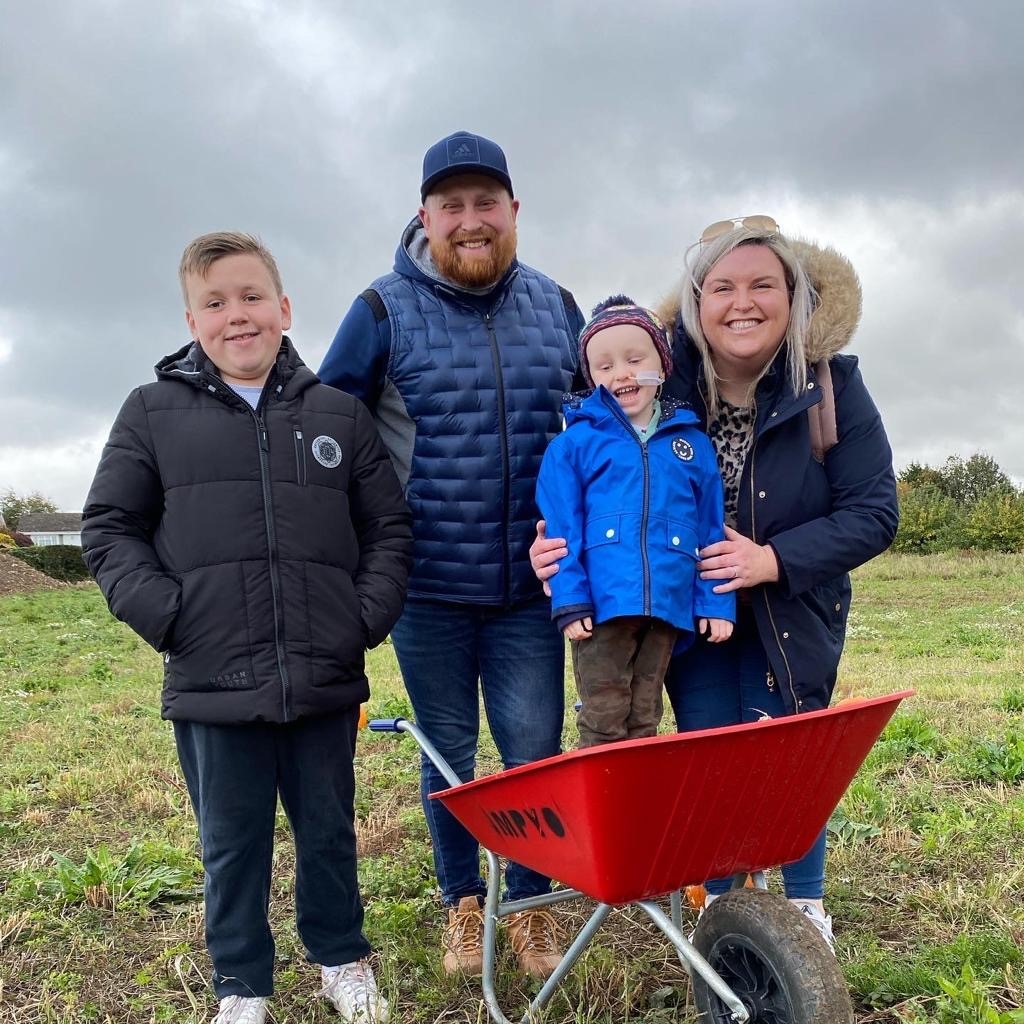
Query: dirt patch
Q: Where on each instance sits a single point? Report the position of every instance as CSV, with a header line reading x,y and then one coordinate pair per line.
x,y
17,577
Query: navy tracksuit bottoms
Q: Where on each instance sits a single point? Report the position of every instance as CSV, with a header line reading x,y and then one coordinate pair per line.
x,y
235,774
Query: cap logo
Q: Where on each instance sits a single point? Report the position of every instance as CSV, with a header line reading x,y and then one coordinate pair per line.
x,y
682,449
463,151
326,451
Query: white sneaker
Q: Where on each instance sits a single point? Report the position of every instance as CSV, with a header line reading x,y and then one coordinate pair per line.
x,y
241,1010
352,991
819,920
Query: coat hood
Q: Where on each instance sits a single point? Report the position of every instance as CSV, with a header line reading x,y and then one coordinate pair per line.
x,y
413,259
839,299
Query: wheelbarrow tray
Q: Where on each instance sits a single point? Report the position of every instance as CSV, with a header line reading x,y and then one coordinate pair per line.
x,y
640,818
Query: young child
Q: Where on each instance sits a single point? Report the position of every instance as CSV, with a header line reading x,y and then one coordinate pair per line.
x,y
633,486
245,521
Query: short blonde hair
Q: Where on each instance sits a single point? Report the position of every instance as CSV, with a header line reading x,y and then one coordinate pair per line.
x,y
802,301
201,254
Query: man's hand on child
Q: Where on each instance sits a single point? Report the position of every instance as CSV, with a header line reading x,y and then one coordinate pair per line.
x,y
716,630
545,553
582,629
739,561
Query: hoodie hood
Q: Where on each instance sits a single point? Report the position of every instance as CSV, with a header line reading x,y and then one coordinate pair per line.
x,y
413,259
599,406
192,365
839,299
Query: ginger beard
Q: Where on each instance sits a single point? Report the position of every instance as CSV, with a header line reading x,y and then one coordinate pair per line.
x,y
479,269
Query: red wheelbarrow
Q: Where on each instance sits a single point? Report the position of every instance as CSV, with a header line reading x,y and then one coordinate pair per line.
x,y
627,822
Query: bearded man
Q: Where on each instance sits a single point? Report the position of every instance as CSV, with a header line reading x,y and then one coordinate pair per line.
x,y
463,354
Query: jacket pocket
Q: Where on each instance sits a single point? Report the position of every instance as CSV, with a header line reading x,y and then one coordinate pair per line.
x,y
300,458
601,530
682,540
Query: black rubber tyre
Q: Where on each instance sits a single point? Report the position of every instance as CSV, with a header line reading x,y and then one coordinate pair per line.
x,y
773,958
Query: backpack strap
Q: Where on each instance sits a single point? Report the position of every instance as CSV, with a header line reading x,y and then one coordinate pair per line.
x,y
372,298
821,418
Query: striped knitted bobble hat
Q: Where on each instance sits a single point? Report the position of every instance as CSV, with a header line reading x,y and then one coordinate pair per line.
x,y
621,309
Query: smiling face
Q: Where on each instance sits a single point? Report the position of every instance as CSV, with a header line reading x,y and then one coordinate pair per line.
x,y
236,314
744,311
615,356
470,223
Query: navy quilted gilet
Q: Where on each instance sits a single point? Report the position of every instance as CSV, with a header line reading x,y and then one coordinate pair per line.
x,y
483,392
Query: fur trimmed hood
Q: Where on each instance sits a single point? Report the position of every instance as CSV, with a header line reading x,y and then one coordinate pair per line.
x,y
839,299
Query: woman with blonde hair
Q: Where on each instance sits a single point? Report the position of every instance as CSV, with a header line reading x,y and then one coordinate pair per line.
x,y
759,322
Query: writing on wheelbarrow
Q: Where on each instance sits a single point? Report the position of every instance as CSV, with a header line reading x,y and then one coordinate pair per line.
x,y
527,823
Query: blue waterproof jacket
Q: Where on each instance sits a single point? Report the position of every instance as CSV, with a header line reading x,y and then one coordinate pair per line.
x,y
822,519
466,392
634,514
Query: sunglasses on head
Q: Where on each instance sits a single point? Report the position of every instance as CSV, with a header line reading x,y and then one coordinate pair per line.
x,y
759,222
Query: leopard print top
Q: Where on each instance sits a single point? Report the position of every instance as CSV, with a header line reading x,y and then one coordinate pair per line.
x,y
731,432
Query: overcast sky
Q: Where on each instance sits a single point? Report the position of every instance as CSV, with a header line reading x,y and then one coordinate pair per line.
x,y
891,131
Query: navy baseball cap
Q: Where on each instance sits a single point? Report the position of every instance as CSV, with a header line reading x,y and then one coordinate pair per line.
x,y
463,153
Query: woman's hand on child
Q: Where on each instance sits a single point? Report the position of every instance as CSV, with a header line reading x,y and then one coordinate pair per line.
x,y
582,629
716,630
739,561
545,553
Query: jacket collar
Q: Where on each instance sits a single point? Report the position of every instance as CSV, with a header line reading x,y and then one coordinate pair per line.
x,y
191,365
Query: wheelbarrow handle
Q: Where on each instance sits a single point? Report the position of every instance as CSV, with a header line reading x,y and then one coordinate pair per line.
x,y
428,748
385,724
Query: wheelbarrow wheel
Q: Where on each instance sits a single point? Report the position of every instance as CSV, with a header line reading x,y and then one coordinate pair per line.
x,y
772,958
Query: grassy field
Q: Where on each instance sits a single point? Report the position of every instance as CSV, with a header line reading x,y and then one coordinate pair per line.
x,y
100,915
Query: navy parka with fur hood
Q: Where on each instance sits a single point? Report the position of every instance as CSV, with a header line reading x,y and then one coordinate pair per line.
x,y
262,550
822,519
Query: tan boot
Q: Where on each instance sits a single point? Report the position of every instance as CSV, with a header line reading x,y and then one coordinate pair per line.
x,y
534,938
464,939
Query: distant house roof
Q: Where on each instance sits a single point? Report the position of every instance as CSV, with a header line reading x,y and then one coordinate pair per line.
x,y
51,522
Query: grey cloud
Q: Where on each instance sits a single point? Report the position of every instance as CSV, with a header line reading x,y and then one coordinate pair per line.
x,y
129,128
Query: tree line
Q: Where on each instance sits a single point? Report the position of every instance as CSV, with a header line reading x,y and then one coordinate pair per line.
x,y
964,504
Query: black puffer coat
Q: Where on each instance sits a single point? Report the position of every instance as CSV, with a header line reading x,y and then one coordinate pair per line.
x,y
262,550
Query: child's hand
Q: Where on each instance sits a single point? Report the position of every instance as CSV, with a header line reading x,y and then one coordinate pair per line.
x,y
582,629
717,630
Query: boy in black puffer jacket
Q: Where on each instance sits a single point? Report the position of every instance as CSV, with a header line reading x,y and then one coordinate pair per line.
x,y
245,521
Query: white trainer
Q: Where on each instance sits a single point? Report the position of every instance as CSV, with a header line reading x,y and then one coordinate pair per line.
x,y
352,990
820,921
241,1010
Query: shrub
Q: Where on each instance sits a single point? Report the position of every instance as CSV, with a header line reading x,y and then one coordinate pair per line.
x,y
6,540
59,561
995,522
929,521
23,540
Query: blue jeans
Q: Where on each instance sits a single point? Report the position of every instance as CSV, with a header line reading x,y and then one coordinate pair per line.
x,y
712,685
518,656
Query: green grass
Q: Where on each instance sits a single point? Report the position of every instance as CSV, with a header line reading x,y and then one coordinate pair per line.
x,y
100,918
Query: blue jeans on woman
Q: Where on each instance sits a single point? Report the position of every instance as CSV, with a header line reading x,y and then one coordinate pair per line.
x,y
712,685
448,653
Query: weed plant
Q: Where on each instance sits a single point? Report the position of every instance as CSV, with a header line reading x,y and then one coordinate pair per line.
x,y
101,914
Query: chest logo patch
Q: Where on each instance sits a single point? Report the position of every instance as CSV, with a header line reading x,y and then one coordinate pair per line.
x,y
326,451
682,449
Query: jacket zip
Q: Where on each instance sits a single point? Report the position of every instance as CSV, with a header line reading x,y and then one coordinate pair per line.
x,y
263,440
499,381
300,458
764,590
646,507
